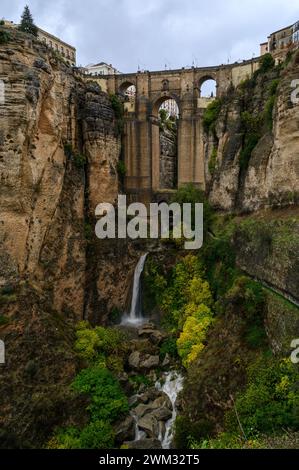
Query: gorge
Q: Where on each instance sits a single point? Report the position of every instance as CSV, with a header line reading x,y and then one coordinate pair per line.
x,y
80,374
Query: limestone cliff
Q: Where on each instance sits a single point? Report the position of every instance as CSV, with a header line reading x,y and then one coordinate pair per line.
x,y
168,158
59,149
251,152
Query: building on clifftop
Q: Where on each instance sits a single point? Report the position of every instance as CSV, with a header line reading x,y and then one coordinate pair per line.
x,y
67,51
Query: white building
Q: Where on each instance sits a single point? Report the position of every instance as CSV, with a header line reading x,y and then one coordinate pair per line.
x,y
101,69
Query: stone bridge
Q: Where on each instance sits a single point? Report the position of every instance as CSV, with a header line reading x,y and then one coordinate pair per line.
x,y
141,134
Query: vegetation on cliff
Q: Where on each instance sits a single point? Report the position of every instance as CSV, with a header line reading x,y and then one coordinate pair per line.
x,y
102,350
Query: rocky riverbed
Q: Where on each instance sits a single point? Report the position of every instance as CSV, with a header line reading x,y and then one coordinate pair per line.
x,y
152,405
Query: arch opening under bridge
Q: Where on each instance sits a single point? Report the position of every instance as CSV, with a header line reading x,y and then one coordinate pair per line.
x,y
166,114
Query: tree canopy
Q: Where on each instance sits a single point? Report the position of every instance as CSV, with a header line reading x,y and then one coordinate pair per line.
x,y
27,24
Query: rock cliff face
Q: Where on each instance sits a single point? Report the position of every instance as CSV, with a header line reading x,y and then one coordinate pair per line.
x,y
270,175
168,159
59,149
50,123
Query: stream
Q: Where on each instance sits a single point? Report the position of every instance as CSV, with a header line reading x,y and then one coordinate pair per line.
x,y
169,384
172,386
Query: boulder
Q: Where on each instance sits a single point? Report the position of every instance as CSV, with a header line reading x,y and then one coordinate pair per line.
x,y
143,362
143,345
154,335
133,400
134,360
162,402
150,395
150,362
124,430
166,362
153,377
144,444
149,424
142,410
163,414
125,383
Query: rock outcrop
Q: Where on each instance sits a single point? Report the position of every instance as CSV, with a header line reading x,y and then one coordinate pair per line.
x,y
271,176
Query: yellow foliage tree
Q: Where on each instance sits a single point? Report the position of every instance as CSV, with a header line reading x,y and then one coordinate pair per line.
x,y
190,343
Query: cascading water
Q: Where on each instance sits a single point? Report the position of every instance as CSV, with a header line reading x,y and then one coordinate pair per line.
x,y
135,316
172,380
172,386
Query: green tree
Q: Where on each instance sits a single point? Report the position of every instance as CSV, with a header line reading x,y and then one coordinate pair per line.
x,y
27,24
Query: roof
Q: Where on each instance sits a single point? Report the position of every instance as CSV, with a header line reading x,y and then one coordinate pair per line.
x,y
283,29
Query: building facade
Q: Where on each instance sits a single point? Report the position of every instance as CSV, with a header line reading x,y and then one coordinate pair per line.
x,y
100,69
65,50
281,40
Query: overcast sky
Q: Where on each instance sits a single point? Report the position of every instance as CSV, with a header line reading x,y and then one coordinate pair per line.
x,y
153,34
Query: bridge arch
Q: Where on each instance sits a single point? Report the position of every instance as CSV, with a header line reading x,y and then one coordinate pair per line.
x,y
125,85
205,91
158,101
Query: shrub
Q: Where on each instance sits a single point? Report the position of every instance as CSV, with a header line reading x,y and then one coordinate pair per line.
x,y
68,150
213,161
249,295
256,336
169,346
68,438
273,86
192,195
271,400
267,63
79,160
4,37
88,231
91,343
269,107
211,115
97,435
185,431
3,320
88,343
118,109
141,380
107,400
154,285
251,126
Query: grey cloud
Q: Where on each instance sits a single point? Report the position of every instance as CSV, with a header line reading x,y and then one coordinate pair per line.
x,y
158,32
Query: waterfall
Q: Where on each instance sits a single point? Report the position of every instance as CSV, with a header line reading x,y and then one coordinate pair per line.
x,y
172,386
135,315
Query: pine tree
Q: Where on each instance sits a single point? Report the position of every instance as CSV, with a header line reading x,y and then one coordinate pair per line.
x,y
27,24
